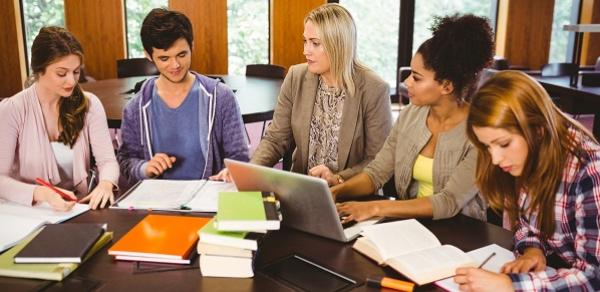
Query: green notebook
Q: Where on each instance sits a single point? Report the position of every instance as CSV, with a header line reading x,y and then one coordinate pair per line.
x,y
245,240
247,211
55,272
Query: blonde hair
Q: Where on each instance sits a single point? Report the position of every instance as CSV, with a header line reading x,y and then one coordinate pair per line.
x,y
338,33
514,101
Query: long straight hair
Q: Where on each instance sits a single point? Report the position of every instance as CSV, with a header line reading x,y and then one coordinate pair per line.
x,y
514,101
51,44
338,33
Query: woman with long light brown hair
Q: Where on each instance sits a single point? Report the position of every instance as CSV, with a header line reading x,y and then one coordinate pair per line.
x,y
52,129
543,169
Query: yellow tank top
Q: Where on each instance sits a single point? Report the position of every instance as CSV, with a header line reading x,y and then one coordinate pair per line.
x,y
423,174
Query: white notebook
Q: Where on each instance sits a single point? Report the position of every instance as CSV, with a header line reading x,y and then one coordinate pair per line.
x,y
22,220
174,195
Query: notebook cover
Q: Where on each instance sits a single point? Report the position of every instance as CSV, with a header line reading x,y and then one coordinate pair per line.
x,y
161,236
54,272
61,243
247,211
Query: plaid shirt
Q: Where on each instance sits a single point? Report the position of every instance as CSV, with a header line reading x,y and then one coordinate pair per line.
x,y
576,239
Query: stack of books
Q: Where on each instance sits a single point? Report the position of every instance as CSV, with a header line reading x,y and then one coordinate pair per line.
x,y
229,242
55,251
161,239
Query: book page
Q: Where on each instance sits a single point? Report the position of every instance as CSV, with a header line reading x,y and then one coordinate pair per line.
x,y
162,194
206,200
495,263
432,264
400,237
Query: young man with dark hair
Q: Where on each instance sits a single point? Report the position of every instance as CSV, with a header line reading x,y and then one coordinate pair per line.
x,y
180,125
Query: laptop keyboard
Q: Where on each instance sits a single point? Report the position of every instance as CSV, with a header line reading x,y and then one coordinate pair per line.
x,y
347,224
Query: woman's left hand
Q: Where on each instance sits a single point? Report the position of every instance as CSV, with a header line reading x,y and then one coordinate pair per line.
x,y
325,173
473,279
102,194
357,211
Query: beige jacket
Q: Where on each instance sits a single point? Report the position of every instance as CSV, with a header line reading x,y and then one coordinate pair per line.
x,y
366,121
454,165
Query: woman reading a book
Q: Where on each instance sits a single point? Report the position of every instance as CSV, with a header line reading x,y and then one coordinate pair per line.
x,y
52,129
543,169
428,152
332,109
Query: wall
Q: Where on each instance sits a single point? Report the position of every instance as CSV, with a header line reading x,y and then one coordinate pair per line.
x,y
12,67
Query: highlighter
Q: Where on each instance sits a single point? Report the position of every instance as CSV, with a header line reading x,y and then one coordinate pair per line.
x,y
379,281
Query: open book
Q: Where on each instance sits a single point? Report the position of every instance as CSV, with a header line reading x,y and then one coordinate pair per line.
x,y
494,264
174,195
412,250
20,221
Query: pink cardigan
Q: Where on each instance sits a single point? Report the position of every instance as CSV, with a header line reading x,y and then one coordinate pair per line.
x,y
26,153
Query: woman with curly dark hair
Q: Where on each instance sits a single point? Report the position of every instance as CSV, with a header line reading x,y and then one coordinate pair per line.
x,y
428,151
51,129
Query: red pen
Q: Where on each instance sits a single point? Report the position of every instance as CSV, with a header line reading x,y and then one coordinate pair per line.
x,y
61,193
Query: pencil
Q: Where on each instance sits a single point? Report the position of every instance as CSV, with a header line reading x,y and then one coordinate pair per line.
x,y
62,194
487,260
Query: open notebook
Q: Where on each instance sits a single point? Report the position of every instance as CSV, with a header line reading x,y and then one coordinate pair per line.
x,y
174,195
20,221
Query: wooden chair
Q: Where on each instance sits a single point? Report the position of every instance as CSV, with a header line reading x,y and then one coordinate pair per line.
x,y
135,67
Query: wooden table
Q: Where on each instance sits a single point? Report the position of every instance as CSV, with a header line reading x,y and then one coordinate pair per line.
x,y
109,275
574,99
256,96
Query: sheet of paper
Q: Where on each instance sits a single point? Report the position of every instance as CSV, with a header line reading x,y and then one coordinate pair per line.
x,y
400,237
502,256
162,194
206,200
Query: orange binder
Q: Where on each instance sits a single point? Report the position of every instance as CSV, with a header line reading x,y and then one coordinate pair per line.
x,y
164,237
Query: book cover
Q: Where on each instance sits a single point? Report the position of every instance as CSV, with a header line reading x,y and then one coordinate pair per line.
x,y
161,236
215,249
27,219
55,272
61,243
244,240
247,211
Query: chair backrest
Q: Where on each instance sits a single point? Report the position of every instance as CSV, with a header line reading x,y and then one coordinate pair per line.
x,y
265,70
500,64
597,67
135,67
559,69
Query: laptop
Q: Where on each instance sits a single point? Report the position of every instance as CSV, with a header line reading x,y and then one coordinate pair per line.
x,y
306,202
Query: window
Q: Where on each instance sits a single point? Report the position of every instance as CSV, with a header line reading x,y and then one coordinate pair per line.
x,y
426,10
40,13
248,34
377,33
561,42
135,12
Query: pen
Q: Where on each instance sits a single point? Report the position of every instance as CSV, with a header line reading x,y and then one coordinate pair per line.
x,y
487,260
61,193
386,282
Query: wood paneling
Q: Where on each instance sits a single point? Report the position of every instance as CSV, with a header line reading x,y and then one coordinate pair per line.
x,y
99,26
12,67
287,26
590,13
209,21
525,27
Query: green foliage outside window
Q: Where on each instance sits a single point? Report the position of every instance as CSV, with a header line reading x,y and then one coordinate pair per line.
x,y
40,13
377,33
136,12
248,34
560,38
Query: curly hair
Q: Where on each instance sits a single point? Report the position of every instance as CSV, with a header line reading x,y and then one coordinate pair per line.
x,y
461,46
51,44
